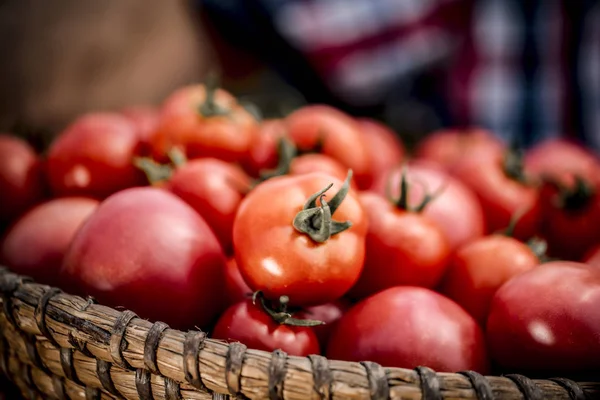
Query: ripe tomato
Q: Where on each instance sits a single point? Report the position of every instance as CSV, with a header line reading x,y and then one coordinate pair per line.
x,y
145,121
204,123
386,151
548,319
236,287
501,194
141,242
249,324
213,188
407,327
447,147
21,179
455,208
479,268
36,244
275,253
593,257
403,248
94,157
571,217
309,163
263,150
341,137
329,314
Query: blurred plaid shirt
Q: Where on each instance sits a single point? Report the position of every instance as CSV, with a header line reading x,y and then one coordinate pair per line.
x,y
529,68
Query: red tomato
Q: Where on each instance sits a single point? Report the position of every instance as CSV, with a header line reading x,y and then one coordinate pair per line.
x,y
447,147
249,324
218,127
384,146
330,314
236,287
407,327
341,135
94,157
501,196
21,180
547,319
455,207
146,242
214,189
263,151
36,245
309,163
274,256
403,248
571,218
593,257
145,120
479,268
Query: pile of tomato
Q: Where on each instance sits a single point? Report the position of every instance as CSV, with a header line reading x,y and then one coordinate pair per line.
x,y
317,233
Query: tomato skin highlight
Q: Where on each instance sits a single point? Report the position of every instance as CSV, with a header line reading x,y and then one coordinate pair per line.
x,y
94,157
22,182
558,323
406,327
144,242
249,324
403,248
279,260
215,190
36,244
478,269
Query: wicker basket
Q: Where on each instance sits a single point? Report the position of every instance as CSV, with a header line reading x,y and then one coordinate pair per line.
x,y
54,345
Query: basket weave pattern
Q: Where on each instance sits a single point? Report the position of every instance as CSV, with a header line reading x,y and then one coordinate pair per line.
x,y
54,345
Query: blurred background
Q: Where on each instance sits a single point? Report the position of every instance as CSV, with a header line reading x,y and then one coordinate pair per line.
x,y
529,68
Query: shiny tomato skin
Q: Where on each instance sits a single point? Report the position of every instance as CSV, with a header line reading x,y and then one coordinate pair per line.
x,y
226,137
275,258
246,323
478,269
213,188
236,287
263,150
94,157
146,242
21,178
341,134
501,197
36,244
309,163
449,146
384,146
403,248
455,207
407,327
558,323
329,313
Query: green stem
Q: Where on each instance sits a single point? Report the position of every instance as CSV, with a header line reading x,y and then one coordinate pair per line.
x,y
155,172
574,198
287,152
280,314
209,108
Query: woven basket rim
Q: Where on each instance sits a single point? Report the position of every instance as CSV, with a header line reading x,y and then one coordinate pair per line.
x,y
51,326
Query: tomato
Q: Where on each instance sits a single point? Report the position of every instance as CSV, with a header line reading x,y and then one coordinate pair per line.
x,y
503,192
479,268
286,247
204,126
94,157
341,137
21,179
36,244
547,319
249,324
407,327
593,256
385,148
145,121
329,314
236,287
263,150
571,217
215,190
447,147
455,208
307,163
403,248
147,250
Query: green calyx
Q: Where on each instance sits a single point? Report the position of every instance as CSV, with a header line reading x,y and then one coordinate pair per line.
x,y
316,221
156,172
287,151
210,108
576,197
402,202
279,313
